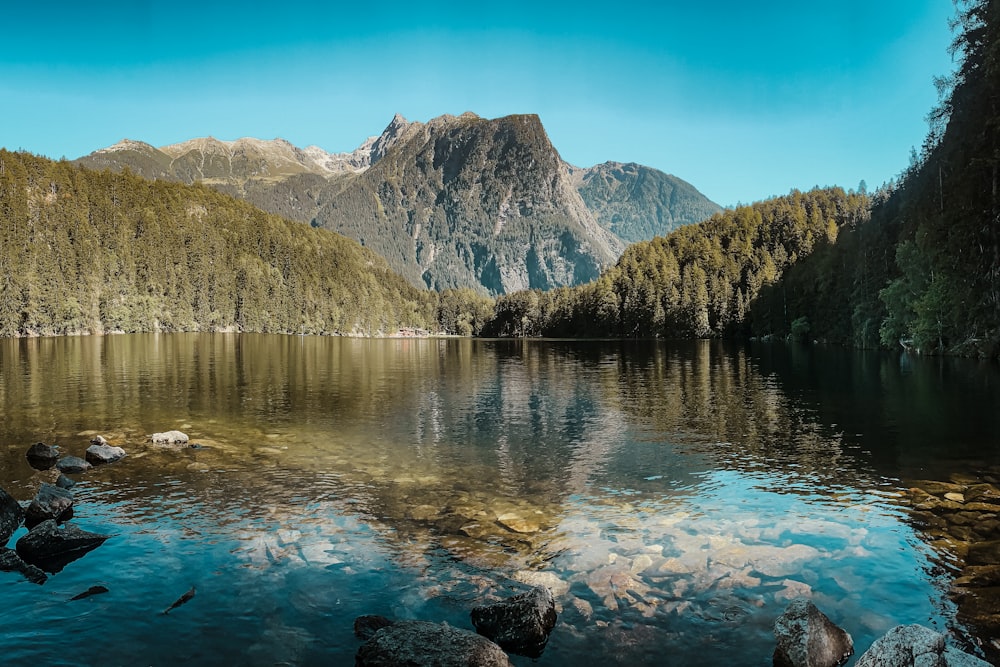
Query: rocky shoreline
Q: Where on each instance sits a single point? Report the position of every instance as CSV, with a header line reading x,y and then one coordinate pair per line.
x,y
961,518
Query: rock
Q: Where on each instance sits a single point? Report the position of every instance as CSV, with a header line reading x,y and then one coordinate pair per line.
x,y
101,454
169,438
11,515
64,482
98,440
425,643
72,465
520,624
52,547
51,502
11,562
807,638
514,522
93,590
41,456
915,646
983,493
954,497
984,553
366,626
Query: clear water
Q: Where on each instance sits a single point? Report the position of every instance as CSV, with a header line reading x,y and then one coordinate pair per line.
x,y
676,495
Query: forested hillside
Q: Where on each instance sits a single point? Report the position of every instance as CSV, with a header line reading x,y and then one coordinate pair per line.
x,y
699,281
924,271
916,264
84,251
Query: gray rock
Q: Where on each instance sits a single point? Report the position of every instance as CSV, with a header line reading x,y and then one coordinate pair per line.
x,y
407,643
169,438
11,515
64,482
100,454
807,638
915,646
11,562
72,465
98,440
51,547
41,456
51,502
520,624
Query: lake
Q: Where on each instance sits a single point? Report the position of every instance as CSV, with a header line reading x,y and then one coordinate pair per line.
x,y
675,496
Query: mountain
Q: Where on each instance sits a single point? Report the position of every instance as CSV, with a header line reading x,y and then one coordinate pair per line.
x,y
459,201
637,203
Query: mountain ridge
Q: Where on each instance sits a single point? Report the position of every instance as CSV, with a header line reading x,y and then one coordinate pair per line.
x,y
559,229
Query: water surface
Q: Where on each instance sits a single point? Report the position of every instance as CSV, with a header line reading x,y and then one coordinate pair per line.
x,y
674,495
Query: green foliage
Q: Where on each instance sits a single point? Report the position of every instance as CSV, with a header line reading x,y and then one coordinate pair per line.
x,y
700,281
89,252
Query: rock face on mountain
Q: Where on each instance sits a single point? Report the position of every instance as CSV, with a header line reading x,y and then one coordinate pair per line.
x,y
637,203
459,201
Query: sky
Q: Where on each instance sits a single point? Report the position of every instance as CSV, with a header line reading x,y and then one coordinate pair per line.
x,y
743,100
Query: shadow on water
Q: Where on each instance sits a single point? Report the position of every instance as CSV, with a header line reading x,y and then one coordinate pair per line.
x,y
672,494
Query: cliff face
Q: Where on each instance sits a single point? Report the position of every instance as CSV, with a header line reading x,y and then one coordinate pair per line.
x,y
455,202
473,202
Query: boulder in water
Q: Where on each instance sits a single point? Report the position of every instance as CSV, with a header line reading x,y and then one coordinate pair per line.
x,y
520,624
915,646
72,465
52,547
41,456
11,562
425,643
169,438
807,638
101,454
11,515
51,502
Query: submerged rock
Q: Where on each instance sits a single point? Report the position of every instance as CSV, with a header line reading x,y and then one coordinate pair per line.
x,y
64,482
807,638
169,438
51,502
915,646
11,562
93,590
425,643
73,465
41,456
520,624
11,515
52,547
100,454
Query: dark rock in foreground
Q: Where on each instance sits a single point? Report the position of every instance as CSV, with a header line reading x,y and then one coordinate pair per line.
x,y
72,465
11,515
64,482
100,454
424,643
52,547
41,456
520,624
807,638
11,562
51,502
915,646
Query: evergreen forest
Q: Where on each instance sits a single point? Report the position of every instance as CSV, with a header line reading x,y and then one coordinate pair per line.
x,y
94,252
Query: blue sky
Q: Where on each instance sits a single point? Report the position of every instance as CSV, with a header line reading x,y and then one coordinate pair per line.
x,y
743,101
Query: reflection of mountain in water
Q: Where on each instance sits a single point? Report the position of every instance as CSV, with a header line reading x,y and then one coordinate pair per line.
x,y
661,486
